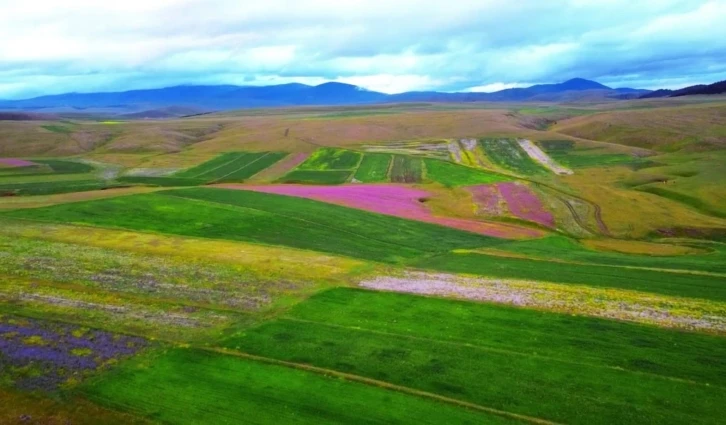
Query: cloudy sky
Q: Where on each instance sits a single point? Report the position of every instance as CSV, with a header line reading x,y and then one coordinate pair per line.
x,y
54,46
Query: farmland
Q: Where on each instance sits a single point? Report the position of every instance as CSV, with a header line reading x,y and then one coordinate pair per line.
x,y
405,263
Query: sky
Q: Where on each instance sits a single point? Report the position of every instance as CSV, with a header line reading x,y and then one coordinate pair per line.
x,y
58,46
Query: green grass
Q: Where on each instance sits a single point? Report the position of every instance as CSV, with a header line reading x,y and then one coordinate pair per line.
x,y
374,168
268,219
316,177
196,387
232,166
406,169
331,159
162,181
661,282
557,367
452,175
509,155
49,188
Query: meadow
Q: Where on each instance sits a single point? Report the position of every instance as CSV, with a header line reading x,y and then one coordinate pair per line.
x,y
404,263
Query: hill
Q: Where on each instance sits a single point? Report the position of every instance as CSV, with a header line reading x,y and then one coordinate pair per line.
x,y
715,88
141,103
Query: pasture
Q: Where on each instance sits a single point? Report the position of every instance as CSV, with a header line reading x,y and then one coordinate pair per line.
x,y
509,156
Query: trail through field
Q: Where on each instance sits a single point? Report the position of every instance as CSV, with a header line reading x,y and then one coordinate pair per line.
x,y
395,200
538,155
641,307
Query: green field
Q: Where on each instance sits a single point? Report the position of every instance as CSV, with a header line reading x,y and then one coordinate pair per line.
x,y
510,156
47,167
452,175
268,219
162,181
198,387
331,159
555,367
406,169
232,166
52,187
316,177
373,168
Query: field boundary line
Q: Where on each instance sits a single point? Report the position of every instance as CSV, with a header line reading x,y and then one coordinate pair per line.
x,y
241,168
497,350
380,384
220,166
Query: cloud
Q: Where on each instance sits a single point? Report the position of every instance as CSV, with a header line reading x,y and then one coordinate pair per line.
x,y
391,46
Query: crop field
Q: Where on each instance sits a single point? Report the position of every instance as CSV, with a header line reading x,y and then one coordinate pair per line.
x,y
373,264
563,369
508,155
564,152
406,169
232,167
374,168
452,175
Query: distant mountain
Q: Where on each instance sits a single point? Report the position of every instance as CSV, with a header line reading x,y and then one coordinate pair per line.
x,y
155,103
715,88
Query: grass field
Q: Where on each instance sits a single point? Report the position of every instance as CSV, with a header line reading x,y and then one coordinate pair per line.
x,y
373,168
316,177
268,219
162,181
194,387
507,154
562,368
452,175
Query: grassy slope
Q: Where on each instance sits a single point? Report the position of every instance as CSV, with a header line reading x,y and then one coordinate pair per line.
x,y
374,168
561,368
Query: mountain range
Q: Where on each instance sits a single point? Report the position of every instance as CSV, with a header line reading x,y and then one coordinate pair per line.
x,y
192,99
715,88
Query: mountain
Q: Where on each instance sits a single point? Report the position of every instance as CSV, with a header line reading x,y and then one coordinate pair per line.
x,y
156,103
715,88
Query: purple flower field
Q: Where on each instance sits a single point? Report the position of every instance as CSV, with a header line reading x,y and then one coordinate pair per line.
x,y
42,356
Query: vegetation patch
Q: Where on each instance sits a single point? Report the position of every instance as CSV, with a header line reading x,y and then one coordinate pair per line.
x,y
565,369
406,169
316,177
53,187
232,166
161,181
453,175
268,219
43,356
185,386
507,154
373,168
331,159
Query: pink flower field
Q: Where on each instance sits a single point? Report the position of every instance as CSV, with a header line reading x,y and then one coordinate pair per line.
x,y
396,200
15,162
519,198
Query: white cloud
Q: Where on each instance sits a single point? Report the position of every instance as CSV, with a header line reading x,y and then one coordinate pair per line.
x,y
81,45
489,88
